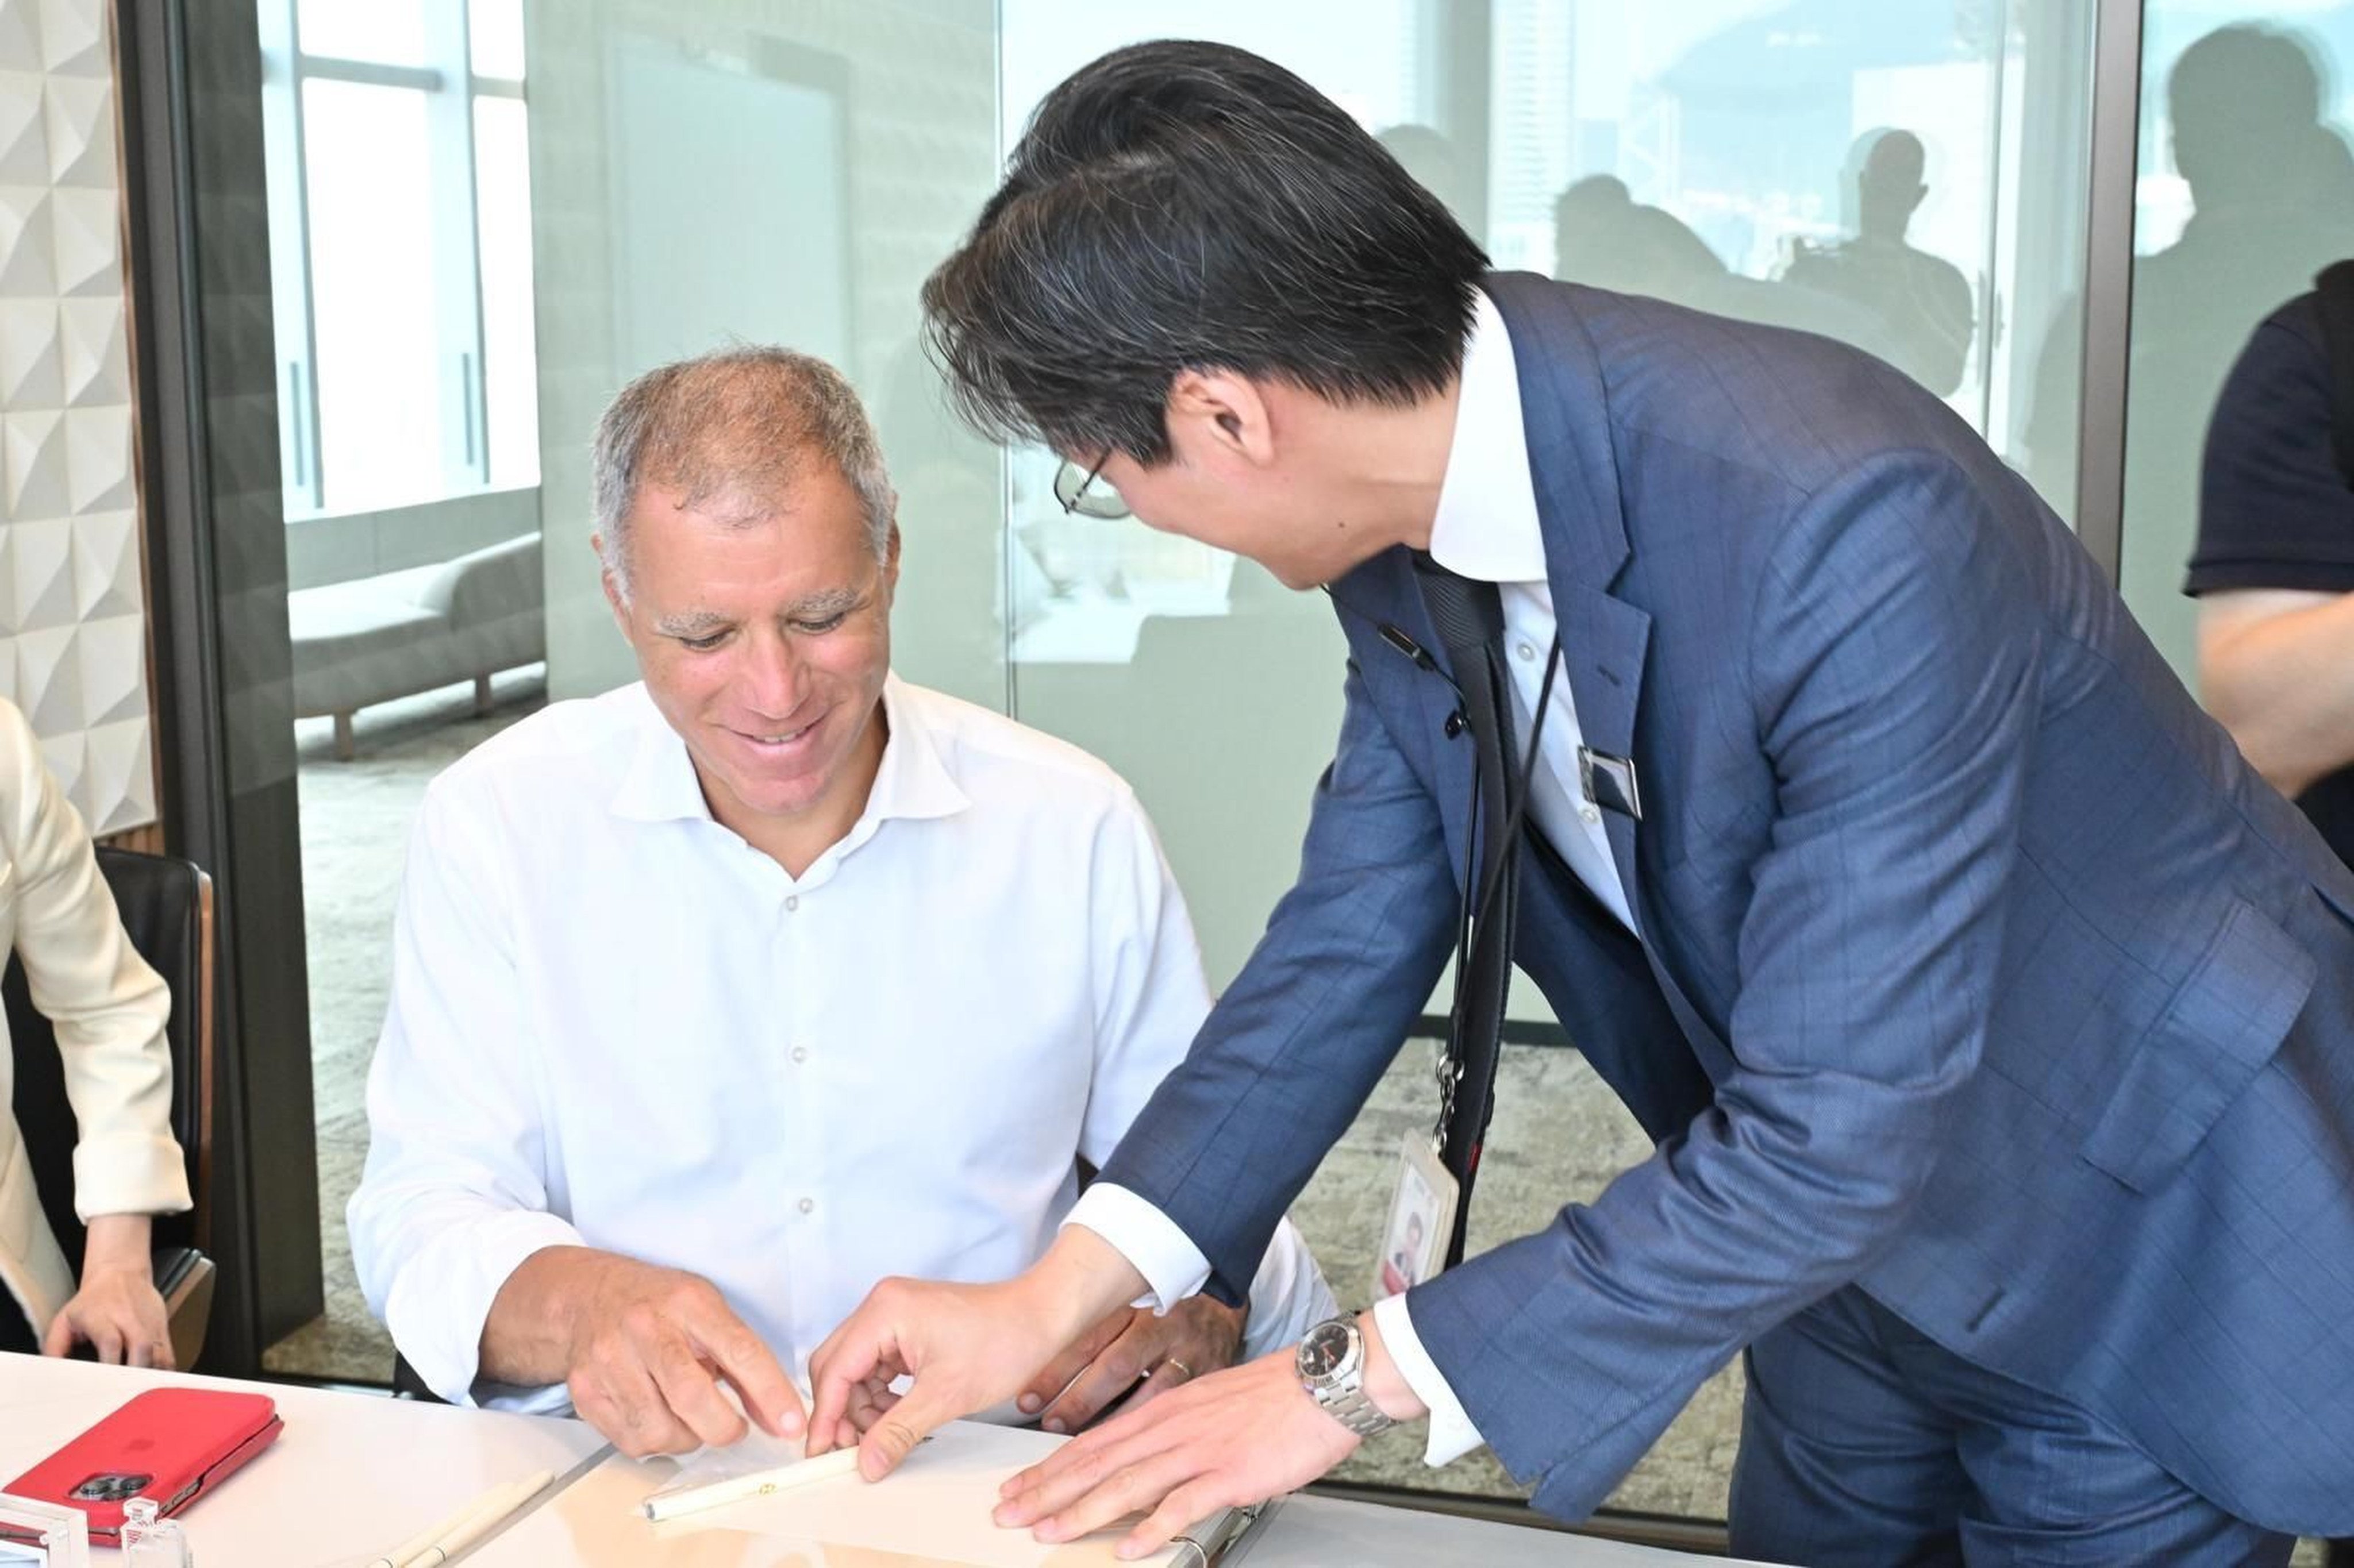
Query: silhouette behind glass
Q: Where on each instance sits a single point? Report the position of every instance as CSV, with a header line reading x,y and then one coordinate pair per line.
x,y
1920,304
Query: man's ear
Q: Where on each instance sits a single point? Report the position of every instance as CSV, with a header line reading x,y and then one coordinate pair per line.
x,y
891,567
1221,412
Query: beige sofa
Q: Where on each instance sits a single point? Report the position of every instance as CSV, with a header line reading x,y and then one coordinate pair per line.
x,y
370,641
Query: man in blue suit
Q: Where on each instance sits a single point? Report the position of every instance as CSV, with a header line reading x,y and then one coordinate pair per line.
x,y
1994,1021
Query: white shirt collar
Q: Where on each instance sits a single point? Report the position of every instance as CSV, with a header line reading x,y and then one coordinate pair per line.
x,y
661,786
1487,527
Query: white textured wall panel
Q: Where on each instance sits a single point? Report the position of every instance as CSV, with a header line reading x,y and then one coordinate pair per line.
x,y
73,617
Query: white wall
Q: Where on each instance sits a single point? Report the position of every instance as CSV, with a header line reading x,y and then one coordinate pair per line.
x,y
747,240
73,624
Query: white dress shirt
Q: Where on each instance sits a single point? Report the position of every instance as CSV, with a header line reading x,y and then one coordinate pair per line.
x,y
614,1023
1487,529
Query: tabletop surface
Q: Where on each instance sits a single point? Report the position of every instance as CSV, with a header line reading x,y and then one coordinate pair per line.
x,y
348,1477
352,1474
598,1524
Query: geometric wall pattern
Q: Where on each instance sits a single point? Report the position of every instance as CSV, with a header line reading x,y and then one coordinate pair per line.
x,y
73,621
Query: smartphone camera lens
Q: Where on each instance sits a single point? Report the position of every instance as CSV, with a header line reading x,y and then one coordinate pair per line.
x,y
109,1489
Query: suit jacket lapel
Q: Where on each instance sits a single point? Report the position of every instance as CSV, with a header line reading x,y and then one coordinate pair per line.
x,y
1383,591
1604,640
1565,414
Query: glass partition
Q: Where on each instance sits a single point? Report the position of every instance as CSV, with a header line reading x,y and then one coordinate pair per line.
x,y
2245,191
1909,177
656,177
725,171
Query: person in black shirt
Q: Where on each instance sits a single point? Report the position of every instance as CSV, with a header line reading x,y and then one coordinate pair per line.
x,y
2273,572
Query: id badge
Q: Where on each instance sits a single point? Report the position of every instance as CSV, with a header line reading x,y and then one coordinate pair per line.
x,y
1422,1216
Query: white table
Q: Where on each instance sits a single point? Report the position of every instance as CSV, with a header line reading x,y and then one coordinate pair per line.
x,y
350,1476
597,1524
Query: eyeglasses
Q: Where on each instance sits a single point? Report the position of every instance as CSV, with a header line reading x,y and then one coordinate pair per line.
x,y
1084,491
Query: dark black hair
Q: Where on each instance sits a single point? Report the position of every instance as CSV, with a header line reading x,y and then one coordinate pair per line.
x,y
1182,206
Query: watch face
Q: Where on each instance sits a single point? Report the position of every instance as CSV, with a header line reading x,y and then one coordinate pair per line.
x,y
1325,1350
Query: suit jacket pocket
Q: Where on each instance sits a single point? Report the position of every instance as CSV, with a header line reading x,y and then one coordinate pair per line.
x,y
2219,1028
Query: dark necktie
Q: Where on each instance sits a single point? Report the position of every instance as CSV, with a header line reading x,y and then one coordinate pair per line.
x,y
1469,617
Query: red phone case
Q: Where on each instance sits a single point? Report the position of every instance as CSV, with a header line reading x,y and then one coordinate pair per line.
x,y
174,1443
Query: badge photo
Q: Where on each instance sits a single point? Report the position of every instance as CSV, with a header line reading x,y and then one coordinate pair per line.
x,y
1422,1216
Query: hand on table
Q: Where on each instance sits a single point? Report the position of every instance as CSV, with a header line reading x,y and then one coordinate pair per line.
x,y
647,1349
116,1311
1227,1440
1197,1337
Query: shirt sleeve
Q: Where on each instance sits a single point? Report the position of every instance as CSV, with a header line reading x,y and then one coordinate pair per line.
x,y
1287,1297
1452,1434
1172,1266
109,1008
2273,510
454,1197
1151,997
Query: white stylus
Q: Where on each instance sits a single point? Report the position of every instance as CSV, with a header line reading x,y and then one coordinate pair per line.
x,y
485,1516
759,1483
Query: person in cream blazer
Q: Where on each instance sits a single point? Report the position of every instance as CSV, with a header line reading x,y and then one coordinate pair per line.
x,y
110,1010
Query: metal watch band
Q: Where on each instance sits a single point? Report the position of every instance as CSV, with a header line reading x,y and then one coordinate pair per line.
x,y
1352,1410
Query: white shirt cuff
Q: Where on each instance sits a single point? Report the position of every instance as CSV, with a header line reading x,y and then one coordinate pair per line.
x,y
1172,1266
441,1297
1452,1435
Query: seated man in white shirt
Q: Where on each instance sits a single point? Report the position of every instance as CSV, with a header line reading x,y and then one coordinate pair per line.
x,y
720,997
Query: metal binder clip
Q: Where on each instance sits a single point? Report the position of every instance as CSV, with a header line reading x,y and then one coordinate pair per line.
x,y
1610,783
1213,1544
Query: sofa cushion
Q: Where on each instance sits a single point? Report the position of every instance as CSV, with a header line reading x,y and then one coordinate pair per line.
x,y
379,637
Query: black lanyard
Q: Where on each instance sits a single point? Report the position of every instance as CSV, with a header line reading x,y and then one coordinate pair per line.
x,y
1472,926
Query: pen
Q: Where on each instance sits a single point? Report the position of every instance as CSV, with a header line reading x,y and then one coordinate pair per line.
x,y
759,1483
401,1554
477,1521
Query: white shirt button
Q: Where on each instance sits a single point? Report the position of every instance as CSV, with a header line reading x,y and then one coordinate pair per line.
x,y
1526,650
1589,814
808,1204
800,1053
792,903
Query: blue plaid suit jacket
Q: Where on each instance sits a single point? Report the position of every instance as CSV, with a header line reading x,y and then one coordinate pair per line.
x,y
1977,967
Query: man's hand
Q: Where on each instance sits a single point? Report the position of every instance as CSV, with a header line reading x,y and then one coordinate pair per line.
x,y
1235,1437
116,1311
643,1349
1198,1335
964,1347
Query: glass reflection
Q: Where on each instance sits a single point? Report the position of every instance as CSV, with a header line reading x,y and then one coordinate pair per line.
x,y
1907,175
2247,191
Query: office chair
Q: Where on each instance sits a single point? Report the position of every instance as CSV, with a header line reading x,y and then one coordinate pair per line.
x,y
166,905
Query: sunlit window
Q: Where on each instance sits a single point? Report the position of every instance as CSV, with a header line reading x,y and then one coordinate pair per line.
x,y
400,251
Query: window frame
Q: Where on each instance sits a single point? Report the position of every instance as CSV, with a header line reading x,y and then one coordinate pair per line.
x,y
451,88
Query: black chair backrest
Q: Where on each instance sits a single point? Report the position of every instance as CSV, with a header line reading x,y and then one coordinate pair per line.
x,y
161,899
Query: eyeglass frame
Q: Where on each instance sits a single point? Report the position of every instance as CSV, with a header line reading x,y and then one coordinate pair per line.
x,y
1106,505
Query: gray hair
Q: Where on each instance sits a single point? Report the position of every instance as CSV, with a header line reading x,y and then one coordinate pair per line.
x,y
734,429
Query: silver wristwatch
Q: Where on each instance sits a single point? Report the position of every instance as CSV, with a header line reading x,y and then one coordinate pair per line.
x,y
1331,1361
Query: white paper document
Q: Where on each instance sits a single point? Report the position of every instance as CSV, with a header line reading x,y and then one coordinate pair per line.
x,y
935,1509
